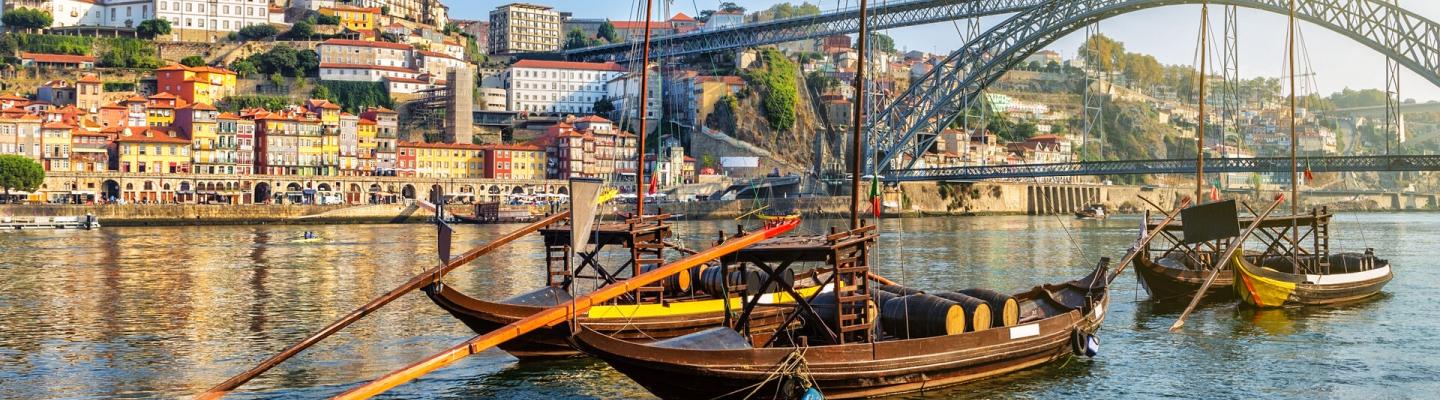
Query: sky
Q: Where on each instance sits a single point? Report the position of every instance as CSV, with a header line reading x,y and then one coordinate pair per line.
x,y
1169,33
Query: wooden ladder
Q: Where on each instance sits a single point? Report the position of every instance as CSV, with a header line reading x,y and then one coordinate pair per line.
x,y
852,270
557,265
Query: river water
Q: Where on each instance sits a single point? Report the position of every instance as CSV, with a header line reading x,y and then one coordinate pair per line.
x,y
165,312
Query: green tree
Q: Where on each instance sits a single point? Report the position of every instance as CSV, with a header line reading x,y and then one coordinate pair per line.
x,y
787,10
607,32
322,19
320,92
256,32
776,79
604,106
576,38
192,61
882,42
152,28
20,173
301,30
1103,53
244,68
27,19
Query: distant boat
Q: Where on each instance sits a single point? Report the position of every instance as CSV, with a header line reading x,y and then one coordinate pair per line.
x,y
1092,212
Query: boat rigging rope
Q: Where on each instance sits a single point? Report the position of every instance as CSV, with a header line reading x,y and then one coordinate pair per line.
x,y
792,367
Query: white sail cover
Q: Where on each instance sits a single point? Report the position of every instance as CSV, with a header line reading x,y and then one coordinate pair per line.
x,y
583,207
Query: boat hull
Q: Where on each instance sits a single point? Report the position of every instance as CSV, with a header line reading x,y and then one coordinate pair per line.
x,y
1267,288
1173,285
486,316
854,370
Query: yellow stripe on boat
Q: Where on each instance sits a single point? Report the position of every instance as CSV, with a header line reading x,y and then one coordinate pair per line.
x,y
1257,290
689,307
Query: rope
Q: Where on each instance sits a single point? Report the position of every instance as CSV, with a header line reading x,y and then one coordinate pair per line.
x,y
793,366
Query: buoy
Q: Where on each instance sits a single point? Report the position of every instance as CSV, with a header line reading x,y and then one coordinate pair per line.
x,y
1092,345
812,394
1003,308
922,315
977,311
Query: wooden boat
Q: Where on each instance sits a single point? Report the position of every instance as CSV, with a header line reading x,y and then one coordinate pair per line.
x,y
1056,321
1267,287
637,322
1175,270
1092,212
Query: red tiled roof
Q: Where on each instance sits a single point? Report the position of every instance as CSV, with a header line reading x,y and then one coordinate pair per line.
x,y
226,115
364,43
681,17
203,107
641,25
57,125
163,95
513,147
154,135
404,80
455,146
428,53
363,66
89,78
56,58
589,66
367,121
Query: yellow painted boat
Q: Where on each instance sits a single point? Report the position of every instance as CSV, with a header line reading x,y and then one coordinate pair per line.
x,y
1360,276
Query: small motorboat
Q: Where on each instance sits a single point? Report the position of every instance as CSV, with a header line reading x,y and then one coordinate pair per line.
x,y
1093,212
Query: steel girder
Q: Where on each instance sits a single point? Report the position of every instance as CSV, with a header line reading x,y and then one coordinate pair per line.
x,y
902,132
885,16
1173,166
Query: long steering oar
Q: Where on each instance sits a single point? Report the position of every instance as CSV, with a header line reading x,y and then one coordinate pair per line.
x,y
561,313
1235,245
1140,245
419,281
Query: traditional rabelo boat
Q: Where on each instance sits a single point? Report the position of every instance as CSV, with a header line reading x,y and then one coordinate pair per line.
x,y
1286,272
675,307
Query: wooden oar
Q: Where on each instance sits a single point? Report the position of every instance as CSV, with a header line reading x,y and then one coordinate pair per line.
x,y
416,282
1140,245
558,314
1235,245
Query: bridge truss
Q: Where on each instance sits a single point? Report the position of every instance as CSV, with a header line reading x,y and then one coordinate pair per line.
x,y
1279,165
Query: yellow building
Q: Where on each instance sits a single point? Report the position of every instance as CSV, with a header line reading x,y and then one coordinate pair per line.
x,y
160,110
152,151
200,122
367,157
203,84
354,18
311,145
329,118
514,162
443,160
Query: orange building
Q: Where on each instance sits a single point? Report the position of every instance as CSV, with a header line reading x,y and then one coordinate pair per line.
x,y
203,84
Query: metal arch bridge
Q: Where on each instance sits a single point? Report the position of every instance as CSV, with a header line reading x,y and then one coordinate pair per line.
x,y
903,131
1172,166
885,16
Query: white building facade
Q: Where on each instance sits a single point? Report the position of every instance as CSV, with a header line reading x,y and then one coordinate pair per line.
x,y
558,86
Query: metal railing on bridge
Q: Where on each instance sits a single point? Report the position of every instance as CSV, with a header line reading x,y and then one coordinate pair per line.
x,y
1171,166
845,21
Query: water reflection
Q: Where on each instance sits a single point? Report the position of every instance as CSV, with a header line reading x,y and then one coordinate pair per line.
x,y
167,312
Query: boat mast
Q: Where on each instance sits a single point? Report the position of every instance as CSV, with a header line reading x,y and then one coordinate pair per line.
x,y
1294,169
1200,135
856,118
644,92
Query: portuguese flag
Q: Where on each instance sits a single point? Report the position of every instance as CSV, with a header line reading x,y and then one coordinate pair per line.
x,y
875,197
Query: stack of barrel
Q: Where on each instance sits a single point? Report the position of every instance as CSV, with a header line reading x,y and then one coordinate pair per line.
x,y
741,281
910,314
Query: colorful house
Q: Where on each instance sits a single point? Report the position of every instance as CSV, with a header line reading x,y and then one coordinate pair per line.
x,y
203,84
444,160
354,18
160,109
514,162
152,151
366,152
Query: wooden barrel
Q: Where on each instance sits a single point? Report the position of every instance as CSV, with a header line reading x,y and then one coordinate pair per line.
x,y
787,278
896,289
708,280
977,312
711,283
824,305
679,283
1004,308
921,315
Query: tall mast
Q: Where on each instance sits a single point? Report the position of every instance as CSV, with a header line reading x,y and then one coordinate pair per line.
x,y
1294,168
644,94
857,118
1200,136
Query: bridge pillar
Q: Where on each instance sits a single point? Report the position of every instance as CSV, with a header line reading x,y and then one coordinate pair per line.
x,y
1031,205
